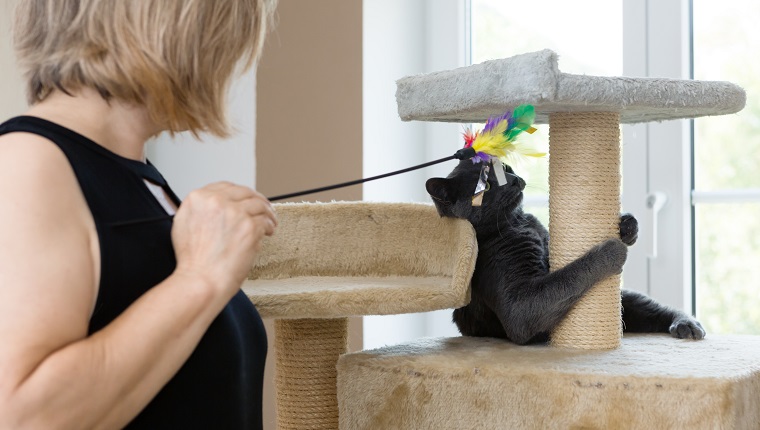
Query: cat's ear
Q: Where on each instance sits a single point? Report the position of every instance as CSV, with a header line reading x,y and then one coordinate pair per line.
x,y
440,190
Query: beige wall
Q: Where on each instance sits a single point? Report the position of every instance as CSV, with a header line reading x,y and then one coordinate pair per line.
x,y
309,115
12,99
309,99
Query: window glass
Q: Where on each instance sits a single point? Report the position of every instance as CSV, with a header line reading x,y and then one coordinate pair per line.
x,y
727,147
727,261
587,43
727,158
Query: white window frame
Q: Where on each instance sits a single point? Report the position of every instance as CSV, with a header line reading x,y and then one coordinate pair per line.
x,y
657,157
401,38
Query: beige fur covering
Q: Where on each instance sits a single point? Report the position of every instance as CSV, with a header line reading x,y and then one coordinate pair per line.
x,y
651,382
330,260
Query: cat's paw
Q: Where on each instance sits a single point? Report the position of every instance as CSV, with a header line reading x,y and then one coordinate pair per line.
x,y
613,254
629,229
687,328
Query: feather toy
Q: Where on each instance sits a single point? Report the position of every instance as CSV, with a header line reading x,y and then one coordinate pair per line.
x,y
498,139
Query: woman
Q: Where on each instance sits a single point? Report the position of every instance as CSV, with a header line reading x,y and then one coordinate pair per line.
x,y
112,315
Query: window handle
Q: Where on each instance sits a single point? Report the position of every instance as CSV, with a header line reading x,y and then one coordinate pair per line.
x,y
655,202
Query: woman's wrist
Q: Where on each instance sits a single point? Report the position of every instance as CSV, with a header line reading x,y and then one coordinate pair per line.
x,y
208,288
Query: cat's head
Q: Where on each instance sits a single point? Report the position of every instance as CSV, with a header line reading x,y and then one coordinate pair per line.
x,y
453,195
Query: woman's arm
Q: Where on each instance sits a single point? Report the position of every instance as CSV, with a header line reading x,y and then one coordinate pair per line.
x,y
52,375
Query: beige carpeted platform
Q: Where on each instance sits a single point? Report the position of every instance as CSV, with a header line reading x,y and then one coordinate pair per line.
x,y
650,382
341,259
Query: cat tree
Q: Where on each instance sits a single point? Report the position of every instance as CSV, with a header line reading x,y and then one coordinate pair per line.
x,y
584,114
586,381
330,261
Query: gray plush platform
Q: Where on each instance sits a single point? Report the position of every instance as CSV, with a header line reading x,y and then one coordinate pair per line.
x,y
473,93
650,382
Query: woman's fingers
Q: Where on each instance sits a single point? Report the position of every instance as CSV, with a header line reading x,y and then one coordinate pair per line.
x,y
260,207
218,231
253,202
235,192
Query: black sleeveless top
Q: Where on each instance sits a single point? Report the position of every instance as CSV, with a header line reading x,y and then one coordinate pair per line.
x,y
220,385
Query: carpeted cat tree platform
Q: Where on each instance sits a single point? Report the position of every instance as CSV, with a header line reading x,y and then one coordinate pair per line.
x,y
587,379
330,261
651,382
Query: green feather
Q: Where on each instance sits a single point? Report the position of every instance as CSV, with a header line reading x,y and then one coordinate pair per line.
x,y
524,116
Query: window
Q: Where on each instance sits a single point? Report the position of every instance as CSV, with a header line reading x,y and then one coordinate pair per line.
x,y
499,32
726,194
697,252
708,240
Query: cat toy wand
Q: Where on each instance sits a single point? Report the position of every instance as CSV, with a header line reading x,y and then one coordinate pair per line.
x,y
497,141
462,154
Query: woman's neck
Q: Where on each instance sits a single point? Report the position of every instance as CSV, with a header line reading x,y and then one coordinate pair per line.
x,y
118,127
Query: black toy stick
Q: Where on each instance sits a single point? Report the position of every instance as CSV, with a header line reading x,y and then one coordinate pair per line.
x,y
462,154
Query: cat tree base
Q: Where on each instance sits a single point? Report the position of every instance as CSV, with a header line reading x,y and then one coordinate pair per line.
x,y
650,382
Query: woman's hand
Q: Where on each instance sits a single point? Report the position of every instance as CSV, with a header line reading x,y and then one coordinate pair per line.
x,y
218,231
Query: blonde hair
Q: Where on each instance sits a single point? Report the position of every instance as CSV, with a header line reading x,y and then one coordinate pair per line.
x,y
175,57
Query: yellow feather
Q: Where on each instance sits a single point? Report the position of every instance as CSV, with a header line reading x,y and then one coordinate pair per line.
x,y
493,142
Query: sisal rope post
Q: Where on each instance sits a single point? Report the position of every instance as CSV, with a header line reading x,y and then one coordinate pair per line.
x,y
306,377
584,210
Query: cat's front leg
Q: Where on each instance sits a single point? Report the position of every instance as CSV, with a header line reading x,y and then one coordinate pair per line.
x,y
601,261
530,308
644,315
629,229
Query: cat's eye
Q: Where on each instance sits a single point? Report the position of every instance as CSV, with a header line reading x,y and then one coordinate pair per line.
x,y
511,179
441,201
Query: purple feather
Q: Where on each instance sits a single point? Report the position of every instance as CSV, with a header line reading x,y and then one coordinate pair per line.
x,y
495,120
481,157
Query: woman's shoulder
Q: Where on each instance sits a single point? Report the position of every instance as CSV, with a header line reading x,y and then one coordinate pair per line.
x,y
44,215
36,176
26,144
28,159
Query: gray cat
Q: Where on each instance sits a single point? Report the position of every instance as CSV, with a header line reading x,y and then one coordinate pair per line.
x,y
514,295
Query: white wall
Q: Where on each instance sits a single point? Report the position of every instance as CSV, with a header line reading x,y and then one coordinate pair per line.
x,y
188,163
401,38
657,155
12,99
393,46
